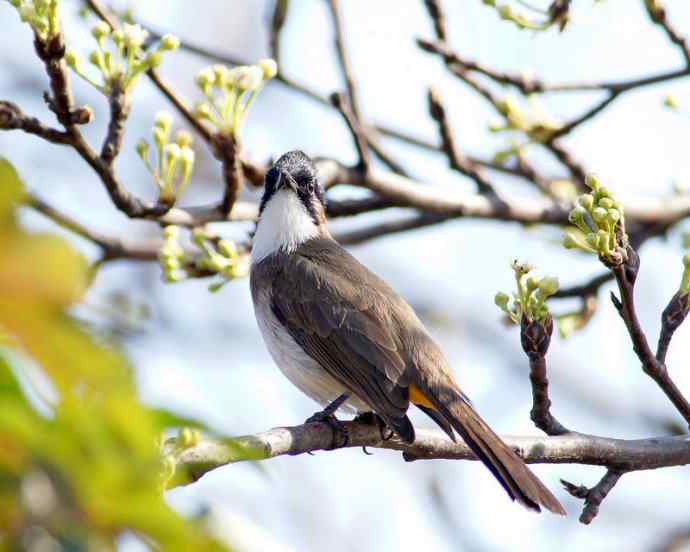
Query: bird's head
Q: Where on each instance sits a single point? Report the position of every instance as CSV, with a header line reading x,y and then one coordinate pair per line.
x,y
292,208
294,173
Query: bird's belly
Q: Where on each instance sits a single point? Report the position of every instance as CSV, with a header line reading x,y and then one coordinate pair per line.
x,y
302,370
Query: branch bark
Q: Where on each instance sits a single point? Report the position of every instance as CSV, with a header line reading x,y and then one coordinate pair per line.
x,y
574,448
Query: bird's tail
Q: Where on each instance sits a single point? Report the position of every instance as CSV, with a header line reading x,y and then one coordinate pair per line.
x,y
508,468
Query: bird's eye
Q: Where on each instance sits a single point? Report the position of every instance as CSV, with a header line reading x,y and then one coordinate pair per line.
x,y
310,186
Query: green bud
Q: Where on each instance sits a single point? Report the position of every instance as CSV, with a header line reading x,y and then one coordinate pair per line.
x,y
613,216
204,79
95,58
199,235
599,214
118,37
72,58
220,75
603,242
202,110
228,249
172,277
532,283
100,31
183,138
548,286
171,263
592,240
171,232
586,201
670,102
569,242
215,286
169,43
505,12
592,182
603,192
154,59
606,203
577,216
159,137
142,149
501,300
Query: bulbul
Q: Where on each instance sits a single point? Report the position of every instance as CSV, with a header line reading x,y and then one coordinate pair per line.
x,y
347,340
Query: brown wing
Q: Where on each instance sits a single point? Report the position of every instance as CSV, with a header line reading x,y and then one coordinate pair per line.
x,y
340,313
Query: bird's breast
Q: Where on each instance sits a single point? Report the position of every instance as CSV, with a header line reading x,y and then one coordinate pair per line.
x,y
302,370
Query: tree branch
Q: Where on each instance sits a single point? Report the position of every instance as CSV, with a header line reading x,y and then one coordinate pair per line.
x,y
626,274
574,448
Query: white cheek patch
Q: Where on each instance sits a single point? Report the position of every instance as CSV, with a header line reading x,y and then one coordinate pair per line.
x,y
285,224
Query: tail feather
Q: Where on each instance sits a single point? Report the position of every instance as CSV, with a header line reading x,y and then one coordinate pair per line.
x,y
506,466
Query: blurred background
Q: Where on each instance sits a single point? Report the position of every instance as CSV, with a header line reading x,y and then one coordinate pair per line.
x,y
202,355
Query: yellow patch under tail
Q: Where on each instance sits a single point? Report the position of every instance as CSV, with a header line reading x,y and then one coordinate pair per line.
x,y
417,397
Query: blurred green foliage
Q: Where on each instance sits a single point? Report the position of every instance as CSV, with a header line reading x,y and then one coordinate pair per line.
x,y
80,461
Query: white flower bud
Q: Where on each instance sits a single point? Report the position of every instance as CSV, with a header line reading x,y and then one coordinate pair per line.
x,y
268,67
250,79
134,36
172,152
163,121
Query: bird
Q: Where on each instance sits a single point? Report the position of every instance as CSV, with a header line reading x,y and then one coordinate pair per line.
x,y
346,339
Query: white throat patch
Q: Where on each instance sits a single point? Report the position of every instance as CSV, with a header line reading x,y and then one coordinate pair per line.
x,y
284,224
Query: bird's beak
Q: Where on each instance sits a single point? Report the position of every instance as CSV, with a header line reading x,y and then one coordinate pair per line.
x,y
284,179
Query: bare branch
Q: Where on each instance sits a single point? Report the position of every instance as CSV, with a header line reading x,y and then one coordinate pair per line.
x,y
12,118
574,448
456,160
341,103
657,13
531,85
626,274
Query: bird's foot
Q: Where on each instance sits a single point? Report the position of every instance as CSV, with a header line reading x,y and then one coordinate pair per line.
x,y
341,436
372,418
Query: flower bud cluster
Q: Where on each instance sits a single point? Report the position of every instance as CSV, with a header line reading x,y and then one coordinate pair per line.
x,y
173,161
506,13
538,125
119,56
42,15
529,300
230,92
171,255
220,256
599,225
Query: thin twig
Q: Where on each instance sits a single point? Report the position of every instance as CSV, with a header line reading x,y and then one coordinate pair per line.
x,y
657,13
671,318
595,496
531,85
12,118
341,103
590,114
625,275
535,336
456,160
